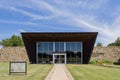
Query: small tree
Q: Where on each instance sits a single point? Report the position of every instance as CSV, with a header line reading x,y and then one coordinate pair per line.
x,y
13,41
99,44
115,43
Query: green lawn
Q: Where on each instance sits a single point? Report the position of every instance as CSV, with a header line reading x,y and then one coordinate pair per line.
x,y
92,72
35,72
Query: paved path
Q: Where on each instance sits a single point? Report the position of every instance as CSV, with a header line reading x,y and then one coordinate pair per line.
x,y
59,72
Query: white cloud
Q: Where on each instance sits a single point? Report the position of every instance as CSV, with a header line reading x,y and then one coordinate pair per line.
x,y
63,9
17,22
22,30
29,14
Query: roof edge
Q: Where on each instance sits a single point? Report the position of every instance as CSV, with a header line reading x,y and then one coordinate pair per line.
x,y
58,32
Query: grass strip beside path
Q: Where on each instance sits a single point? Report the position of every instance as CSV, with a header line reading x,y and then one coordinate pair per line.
x,y
34,72
92,72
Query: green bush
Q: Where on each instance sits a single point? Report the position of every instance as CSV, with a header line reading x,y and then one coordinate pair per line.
x,y
99,44
106,61
100,62
93,62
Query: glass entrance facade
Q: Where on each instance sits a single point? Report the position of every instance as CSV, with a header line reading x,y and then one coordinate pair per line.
x,y
45,51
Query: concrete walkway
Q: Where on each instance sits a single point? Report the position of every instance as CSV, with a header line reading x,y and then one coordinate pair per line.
x,y
59,72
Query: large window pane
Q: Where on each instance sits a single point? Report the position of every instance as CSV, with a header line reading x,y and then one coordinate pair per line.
x,y
45,50
56,46
50,47
73,51
50,52
59,46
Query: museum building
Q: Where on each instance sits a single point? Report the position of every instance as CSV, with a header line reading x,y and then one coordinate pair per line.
x,y
59,47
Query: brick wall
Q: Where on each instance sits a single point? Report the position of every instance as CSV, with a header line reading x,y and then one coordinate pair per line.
x,y
106,53
19,54
13,54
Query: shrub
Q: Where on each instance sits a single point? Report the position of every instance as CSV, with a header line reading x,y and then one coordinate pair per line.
x,y
99,44
93,62
100,63
108,62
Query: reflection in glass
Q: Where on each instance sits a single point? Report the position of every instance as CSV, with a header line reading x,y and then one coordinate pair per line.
x,y
73,51
59,46
45,50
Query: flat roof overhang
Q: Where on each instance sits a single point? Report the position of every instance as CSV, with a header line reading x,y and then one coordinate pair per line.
x,y
30,39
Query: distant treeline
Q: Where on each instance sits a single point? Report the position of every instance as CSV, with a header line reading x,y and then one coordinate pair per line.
x,y
17,41
115,43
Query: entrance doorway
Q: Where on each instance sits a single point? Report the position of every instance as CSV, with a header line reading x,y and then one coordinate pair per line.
x,y
59,58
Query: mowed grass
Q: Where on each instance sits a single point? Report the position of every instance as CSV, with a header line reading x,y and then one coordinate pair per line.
x,y
34,72
92,72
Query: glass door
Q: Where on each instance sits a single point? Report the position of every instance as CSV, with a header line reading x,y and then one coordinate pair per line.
x,y
59,58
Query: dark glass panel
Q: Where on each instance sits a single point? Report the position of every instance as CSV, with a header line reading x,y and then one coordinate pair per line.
x,y
79,49
45,50
50,52
50,47
73,51
68,52
56,46
39,47
73,46
61,46
79,46
40,57
45,47
68,56
67,46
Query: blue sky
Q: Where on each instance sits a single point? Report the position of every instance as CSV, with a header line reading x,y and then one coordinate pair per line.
x,y
101,16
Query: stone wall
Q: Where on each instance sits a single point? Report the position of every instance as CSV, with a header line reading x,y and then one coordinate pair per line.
x,y
13,54
20,54
106,53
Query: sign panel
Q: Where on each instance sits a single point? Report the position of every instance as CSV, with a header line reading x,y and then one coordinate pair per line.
x,y
18,67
